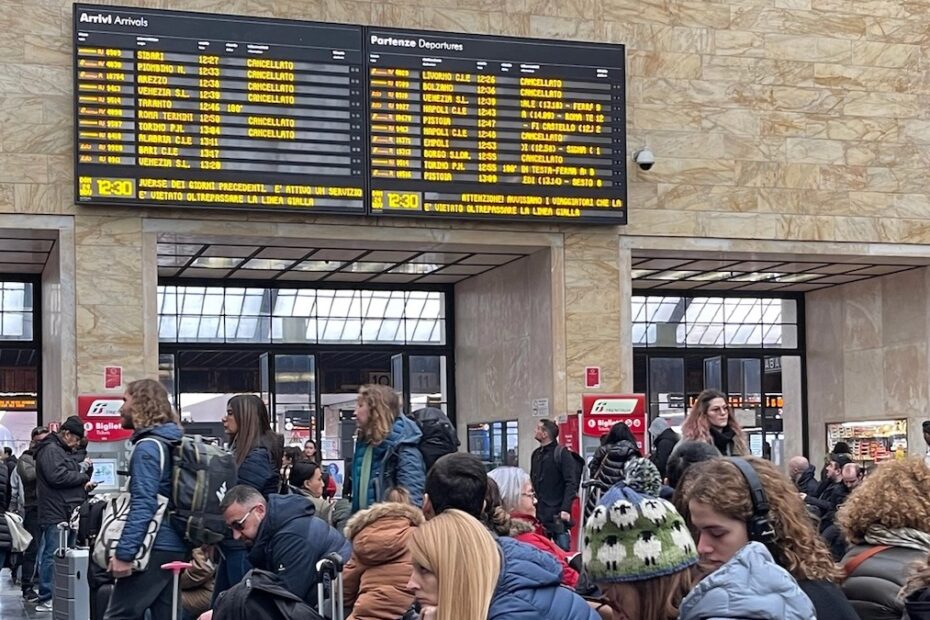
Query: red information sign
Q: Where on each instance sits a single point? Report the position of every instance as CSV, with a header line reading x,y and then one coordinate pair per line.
x,y
592,377
101,417
601,411
112,378
568,433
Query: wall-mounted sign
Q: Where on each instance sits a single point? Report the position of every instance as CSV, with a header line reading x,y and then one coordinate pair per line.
x,y
112,378
102,421
601,411
592,377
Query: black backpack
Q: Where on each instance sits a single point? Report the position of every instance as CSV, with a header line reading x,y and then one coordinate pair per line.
x,y
439,436
260,596
576,464
87,519
200,477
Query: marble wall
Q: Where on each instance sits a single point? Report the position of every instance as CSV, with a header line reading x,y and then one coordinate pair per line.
x,y
867,354
797,120
503,347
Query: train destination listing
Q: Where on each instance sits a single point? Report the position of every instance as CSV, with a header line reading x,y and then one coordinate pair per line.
x,y
202,110
488,127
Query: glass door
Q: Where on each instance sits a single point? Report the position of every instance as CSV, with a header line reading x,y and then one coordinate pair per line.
x,y
294,410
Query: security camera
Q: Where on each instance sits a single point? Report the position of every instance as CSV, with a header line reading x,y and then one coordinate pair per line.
x,y
644,158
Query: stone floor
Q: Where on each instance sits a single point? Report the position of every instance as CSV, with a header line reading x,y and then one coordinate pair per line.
x,y
12,606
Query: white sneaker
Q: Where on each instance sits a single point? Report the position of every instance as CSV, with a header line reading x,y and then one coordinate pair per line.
x,y
46,606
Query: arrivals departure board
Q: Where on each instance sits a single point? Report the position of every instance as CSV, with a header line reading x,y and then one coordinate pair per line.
x,y
193,109
200,110
485,127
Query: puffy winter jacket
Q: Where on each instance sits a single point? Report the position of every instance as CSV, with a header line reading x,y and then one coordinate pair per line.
x,y
529,588
529,530
662,448
258,472
873,587
59,481
748,587
607,468
149,477
6,540
396,461
291,540
376,577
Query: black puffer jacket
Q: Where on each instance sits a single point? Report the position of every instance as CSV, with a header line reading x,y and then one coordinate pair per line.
x,y
606,467
60,482
6,541
873,587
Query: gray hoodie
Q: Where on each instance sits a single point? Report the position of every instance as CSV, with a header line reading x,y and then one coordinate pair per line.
x,y
748,587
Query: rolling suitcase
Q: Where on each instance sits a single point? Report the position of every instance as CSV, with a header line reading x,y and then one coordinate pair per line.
x,y
70,590
330,571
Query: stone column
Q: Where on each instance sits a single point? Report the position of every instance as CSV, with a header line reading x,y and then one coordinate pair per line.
x,y
593,313
115,324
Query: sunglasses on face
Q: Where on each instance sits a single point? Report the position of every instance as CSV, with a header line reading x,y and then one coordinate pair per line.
x,y
239,525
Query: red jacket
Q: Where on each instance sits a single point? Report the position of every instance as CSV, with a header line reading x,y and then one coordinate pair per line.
x,y
528,529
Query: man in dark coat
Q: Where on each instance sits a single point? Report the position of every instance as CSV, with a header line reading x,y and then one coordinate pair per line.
x,y
26,472
802,473
284,536
61,483
555,481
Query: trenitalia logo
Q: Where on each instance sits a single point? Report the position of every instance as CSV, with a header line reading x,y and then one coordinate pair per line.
x,y
104,408
614,405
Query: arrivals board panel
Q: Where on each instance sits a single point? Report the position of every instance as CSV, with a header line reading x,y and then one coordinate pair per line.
x,y
473,127
202,110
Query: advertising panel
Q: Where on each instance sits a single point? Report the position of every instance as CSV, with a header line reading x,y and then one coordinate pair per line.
x,y
601,411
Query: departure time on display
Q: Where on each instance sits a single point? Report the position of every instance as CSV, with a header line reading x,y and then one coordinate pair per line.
x,y
202,110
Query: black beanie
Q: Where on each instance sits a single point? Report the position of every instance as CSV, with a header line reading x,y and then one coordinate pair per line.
x,y
74,426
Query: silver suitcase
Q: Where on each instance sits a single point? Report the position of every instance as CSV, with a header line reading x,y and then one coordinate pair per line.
x,y
70,590
330,575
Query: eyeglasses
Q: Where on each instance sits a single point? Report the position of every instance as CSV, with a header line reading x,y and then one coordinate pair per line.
x,y
240,524
531,495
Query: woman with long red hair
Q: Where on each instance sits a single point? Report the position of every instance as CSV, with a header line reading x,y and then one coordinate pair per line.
x,y
712,421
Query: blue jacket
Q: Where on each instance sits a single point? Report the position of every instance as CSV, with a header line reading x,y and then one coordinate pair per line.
x,y
751,586
396,462
291,540
146,483
530,587
258,472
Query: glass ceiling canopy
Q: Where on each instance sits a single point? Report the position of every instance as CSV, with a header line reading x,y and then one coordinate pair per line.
x,y
316,316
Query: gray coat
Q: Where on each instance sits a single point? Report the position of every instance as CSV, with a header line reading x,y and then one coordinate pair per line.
x,y
873,587
748,587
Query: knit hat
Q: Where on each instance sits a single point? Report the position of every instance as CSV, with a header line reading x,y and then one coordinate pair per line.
x,y
634,536
74,426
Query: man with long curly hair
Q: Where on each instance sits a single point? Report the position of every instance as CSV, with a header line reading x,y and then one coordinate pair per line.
x,y
148,413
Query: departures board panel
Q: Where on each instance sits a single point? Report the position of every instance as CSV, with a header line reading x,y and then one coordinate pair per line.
x,y
203,110
478,127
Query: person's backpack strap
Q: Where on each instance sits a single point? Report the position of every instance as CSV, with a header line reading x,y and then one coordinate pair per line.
x,y
161,451
850,567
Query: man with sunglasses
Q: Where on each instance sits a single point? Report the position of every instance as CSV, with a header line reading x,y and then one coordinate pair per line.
x,y
283,535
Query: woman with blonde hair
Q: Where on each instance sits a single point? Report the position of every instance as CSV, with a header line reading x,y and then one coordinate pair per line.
x,y
711,421
386,450
746,506
886,519
461,573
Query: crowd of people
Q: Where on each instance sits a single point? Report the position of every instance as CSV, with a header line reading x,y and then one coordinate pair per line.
x,y
691,527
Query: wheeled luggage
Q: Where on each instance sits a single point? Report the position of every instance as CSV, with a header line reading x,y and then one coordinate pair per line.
x,y
70,589
330,575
